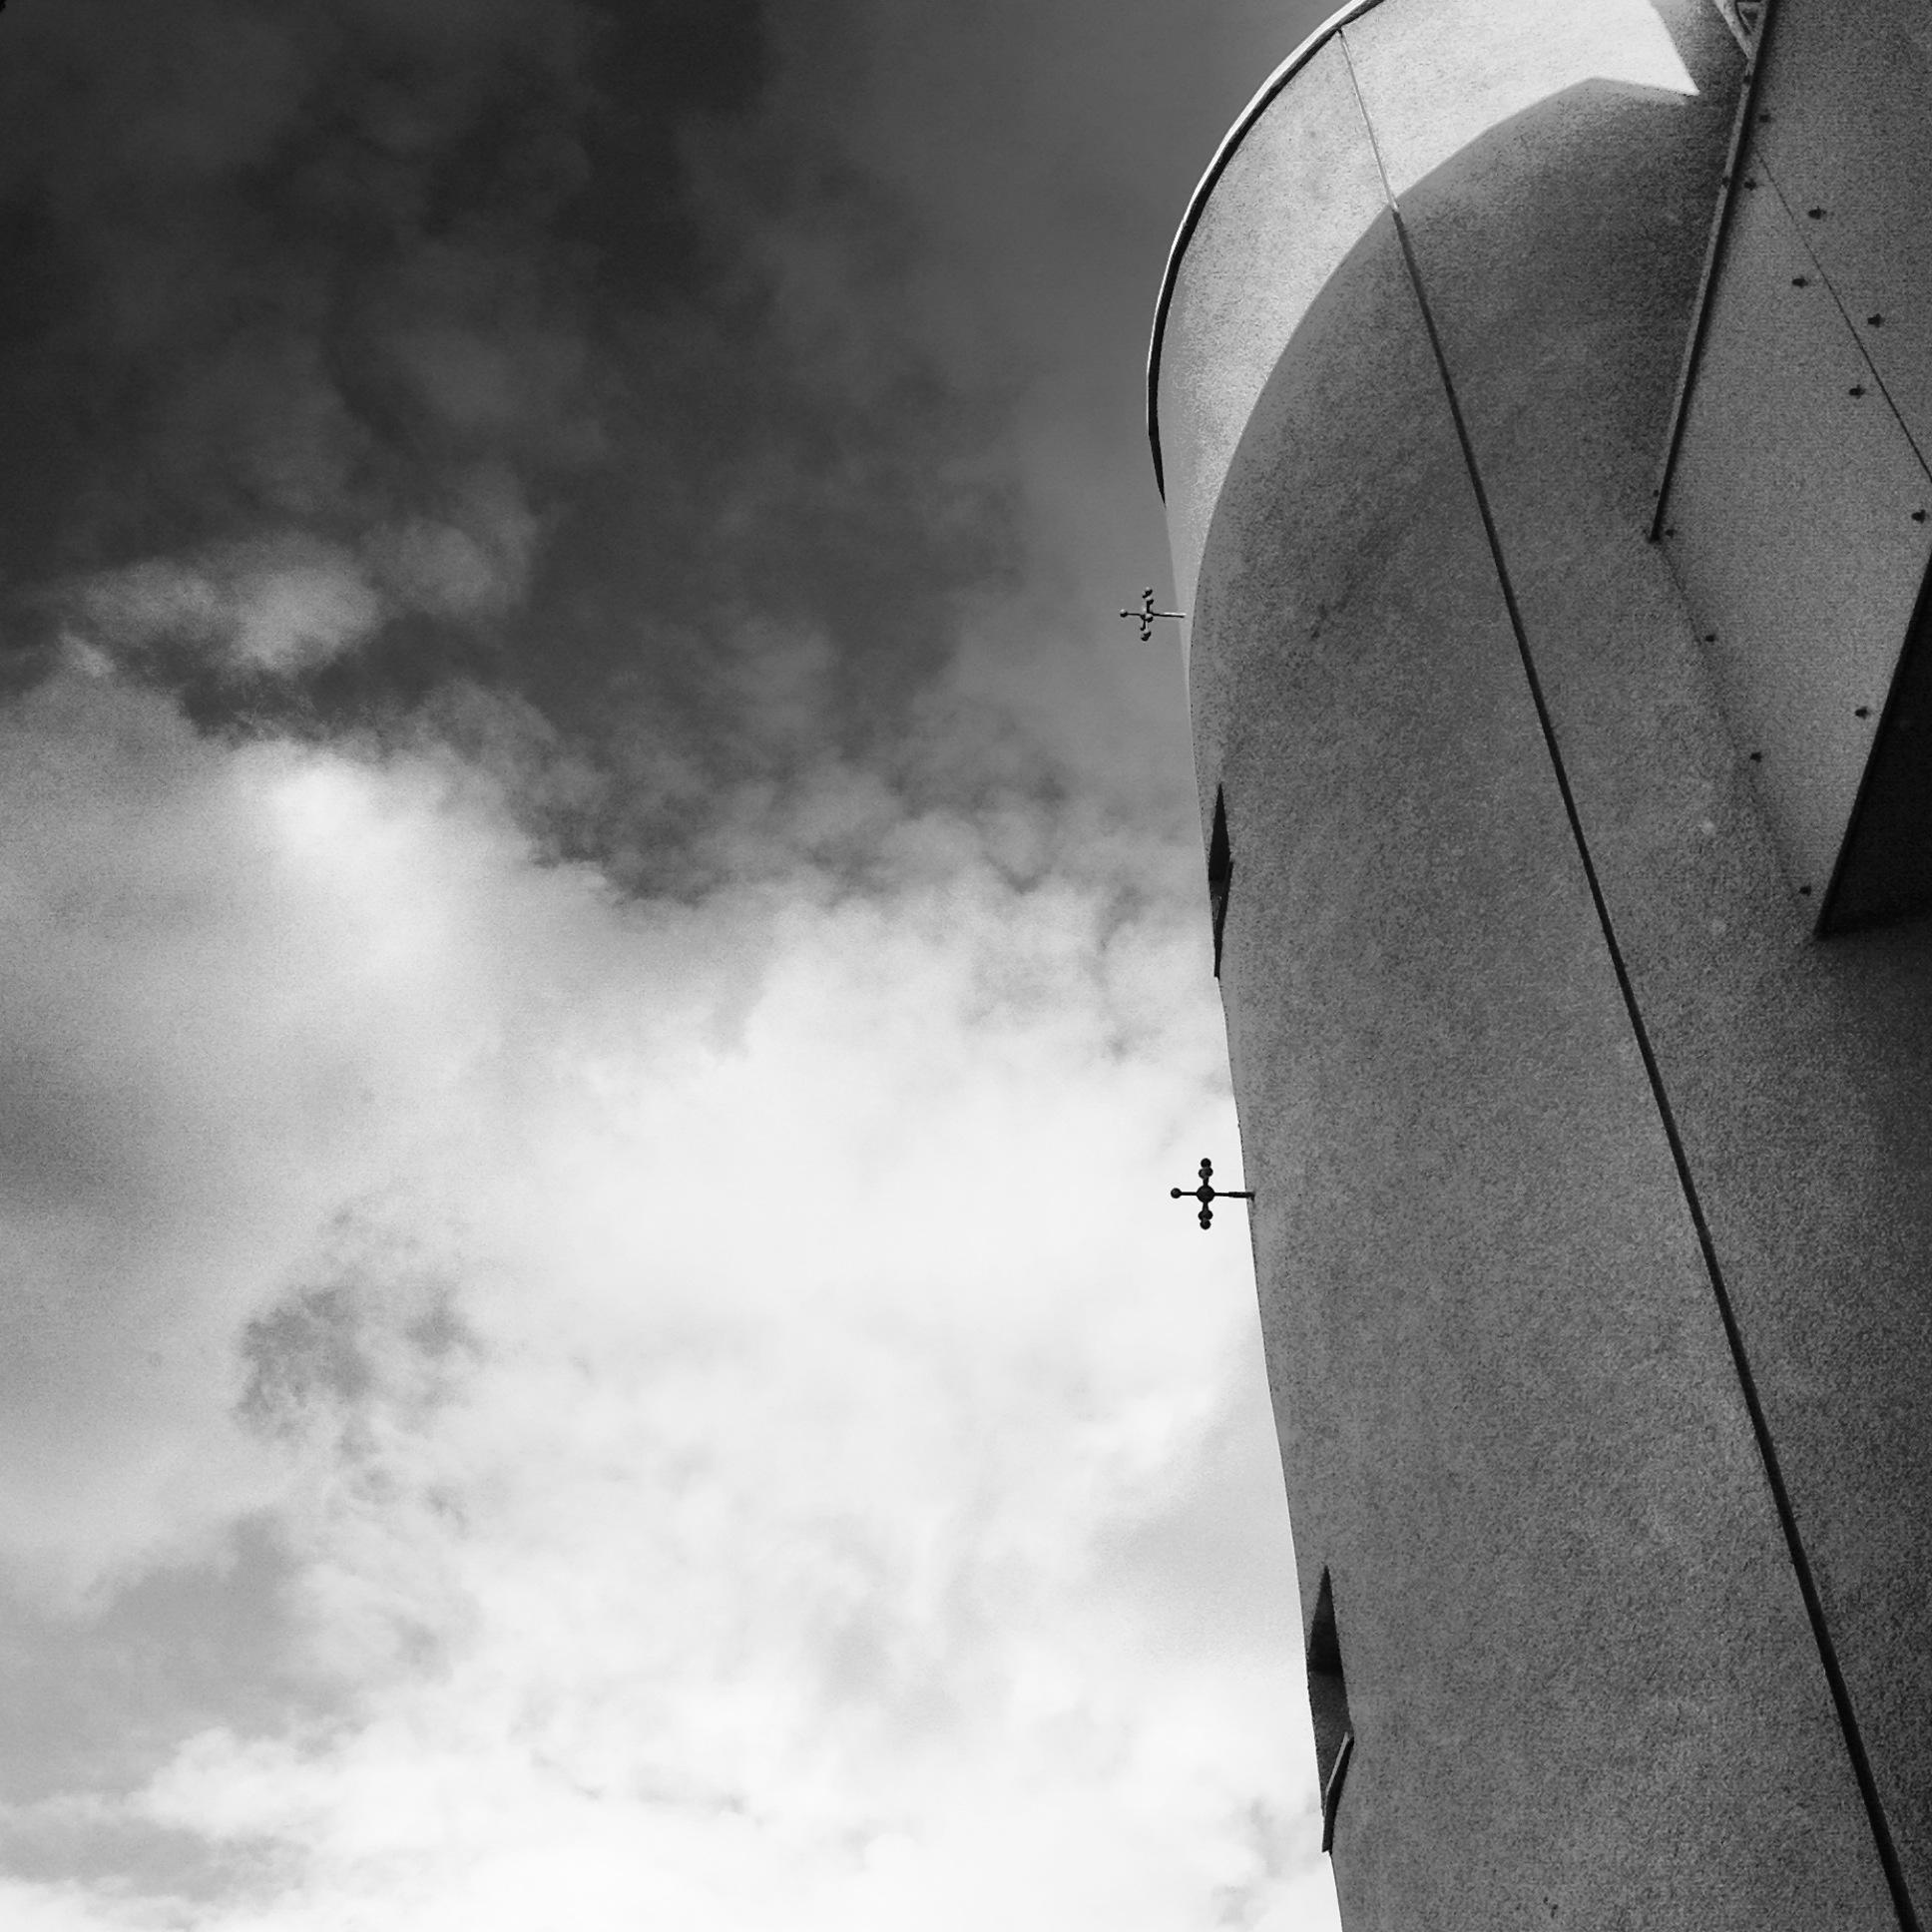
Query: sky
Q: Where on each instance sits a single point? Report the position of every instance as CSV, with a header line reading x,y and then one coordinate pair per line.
x,y
606,975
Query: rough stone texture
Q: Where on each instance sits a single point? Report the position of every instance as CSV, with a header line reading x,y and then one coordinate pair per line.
x,y
1584,1688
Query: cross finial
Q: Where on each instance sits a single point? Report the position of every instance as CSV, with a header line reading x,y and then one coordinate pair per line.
x,y
1208,1192
1145,614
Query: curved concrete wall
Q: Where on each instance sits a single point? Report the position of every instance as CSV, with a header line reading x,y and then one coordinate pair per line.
x,y
1595,1216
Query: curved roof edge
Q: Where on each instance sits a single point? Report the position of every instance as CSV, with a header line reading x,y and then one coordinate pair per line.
x,y
1232,139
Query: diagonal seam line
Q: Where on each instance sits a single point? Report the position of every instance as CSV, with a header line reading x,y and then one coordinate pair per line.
x,y
1858,343
1847,1716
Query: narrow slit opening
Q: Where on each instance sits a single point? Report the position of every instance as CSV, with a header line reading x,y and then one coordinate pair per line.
x,y
1221,870
1328,1703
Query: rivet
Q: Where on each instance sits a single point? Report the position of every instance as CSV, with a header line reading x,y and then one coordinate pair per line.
x,y
1816,214
1874,321
1856,389
1800,282
1669,530
1751,181
1710,637
1805,891
1764,114
1918,516
1757,757
1864,710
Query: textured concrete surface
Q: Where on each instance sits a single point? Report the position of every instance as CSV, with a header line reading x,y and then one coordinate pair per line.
x,y
1886,870
1788,521
1583,1682
1797,510
1297,197
1843,106
1799,1071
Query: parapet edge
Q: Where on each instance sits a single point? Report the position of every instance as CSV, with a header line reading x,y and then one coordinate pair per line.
x,y
1232,139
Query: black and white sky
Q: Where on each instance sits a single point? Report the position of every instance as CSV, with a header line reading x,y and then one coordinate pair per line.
x,y
605,978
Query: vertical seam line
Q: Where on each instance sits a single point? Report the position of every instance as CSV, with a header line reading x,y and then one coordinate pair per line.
x,y
1880,1826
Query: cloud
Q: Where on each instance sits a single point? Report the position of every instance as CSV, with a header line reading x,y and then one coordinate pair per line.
x,y
251,608
593,1325
474,561
209,1049
573,352
713,1377
302,351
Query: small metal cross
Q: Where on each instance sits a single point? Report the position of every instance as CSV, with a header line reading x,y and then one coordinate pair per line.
x,y
1208,1192
1146,614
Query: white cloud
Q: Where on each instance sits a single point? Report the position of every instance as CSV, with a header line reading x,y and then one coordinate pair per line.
x,y
738,1406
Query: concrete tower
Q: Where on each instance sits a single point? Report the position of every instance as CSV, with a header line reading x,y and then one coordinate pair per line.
x,y
1542,391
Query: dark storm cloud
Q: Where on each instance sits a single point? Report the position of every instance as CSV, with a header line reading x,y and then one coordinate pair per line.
x,y
275,266
657,400
357,352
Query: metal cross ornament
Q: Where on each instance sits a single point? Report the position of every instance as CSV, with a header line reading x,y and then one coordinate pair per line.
x,y
1145,614
1208,1192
